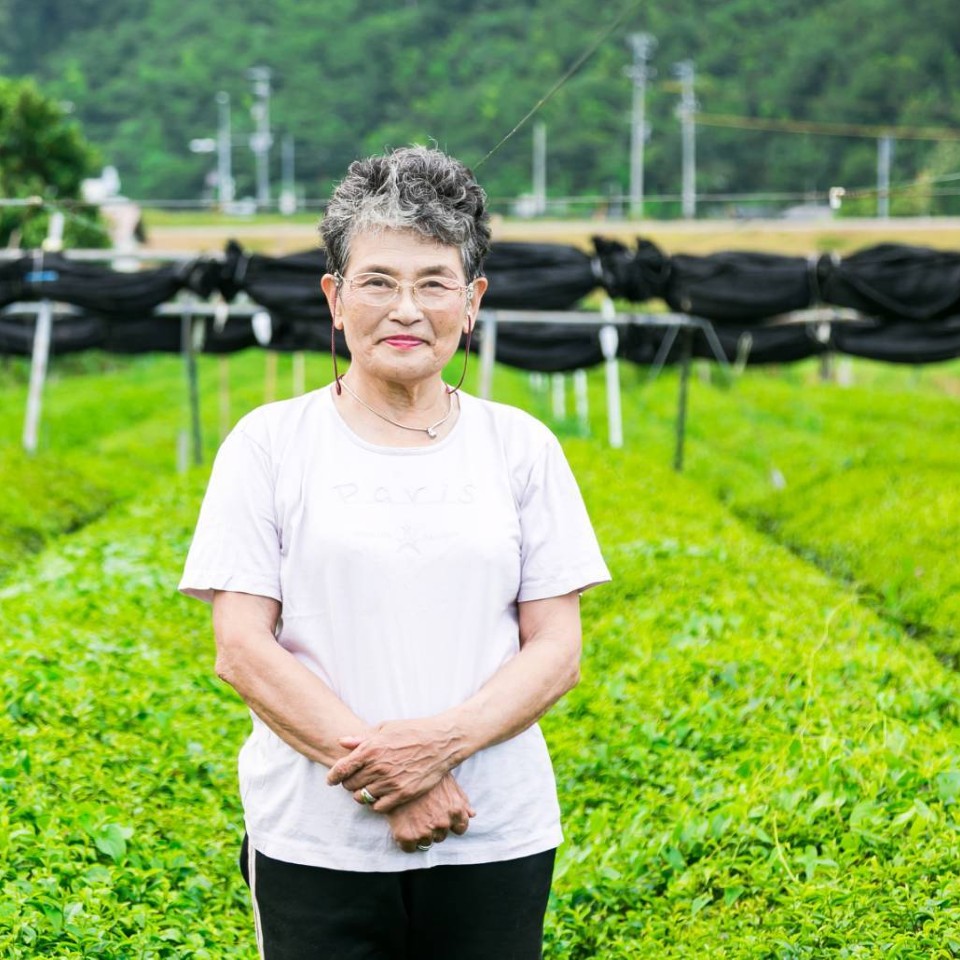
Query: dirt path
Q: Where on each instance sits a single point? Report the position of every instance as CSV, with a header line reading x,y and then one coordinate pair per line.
x,y
700,236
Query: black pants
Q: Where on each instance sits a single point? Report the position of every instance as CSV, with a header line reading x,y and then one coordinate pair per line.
x,y
486,911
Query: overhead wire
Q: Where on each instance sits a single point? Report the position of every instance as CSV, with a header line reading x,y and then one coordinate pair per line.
x,y
827,129
578,63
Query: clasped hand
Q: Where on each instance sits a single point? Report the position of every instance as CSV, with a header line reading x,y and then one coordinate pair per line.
x,y
396,762
405,765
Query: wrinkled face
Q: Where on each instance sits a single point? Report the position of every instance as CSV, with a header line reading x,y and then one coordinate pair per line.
x,y
402,341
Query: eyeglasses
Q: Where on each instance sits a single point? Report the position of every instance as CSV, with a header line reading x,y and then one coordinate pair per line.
x,y
431,293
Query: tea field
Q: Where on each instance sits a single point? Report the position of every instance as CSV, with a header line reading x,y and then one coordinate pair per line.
x,y
762,761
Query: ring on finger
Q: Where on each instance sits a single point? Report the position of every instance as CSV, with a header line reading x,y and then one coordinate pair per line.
x,y
366,796
424,846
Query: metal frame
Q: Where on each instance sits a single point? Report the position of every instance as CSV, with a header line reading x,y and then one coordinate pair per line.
x,y
608,320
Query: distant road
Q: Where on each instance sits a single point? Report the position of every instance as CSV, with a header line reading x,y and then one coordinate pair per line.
x,y
697,236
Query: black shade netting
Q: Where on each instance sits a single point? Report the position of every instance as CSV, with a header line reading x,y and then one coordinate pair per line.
x,y
537,276
284,285
547,347
894,281
13,283
903,342
637,275
70,334
291,333
163,334
92,286
739,287
752,345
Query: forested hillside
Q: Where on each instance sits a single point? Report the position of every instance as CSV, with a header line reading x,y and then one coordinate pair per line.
x,y
351,77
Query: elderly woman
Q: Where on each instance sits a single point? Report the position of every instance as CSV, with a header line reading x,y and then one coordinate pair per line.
x,y
395,570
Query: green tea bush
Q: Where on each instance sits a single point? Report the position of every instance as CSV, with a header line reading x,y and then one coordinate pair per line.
x,y
105,437
755,765
760,761
120,822
861,479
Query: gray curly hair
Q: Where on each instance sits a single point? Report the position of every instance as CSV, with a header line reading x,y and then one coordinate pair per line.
x,y
411,188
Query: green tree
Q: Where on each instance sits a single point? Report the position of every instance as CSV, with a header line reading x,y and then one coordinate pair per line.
x,y
352,77
42,155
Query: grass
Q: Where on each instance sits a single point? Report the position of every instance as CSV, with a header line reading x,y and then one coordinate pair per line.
x,y
762,760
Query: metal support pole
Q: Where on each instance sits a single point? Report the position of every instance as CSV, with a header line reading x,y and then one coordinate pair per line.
x,y
609,342
642,45
42,335
224,370
686,354
188,351
488,353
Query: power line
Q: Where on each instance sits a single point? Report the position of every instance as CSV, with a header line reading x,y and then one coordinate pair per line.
x,y
867,131
580,61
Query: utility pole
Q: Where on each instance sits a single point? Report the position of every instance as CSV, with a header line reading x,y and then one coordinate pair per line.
x,y
884,158
643,45
224,151
687,112
261,140
288,188
539,168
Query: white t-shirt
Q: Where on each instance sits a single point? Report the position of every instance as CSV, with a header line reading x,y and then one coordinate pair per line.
x,y
399,570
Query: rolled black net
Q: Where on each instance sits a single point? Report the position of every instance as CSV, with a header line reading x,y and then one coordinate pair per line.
x,y
538,276
909,296
739,287
105,291
637,275
895,282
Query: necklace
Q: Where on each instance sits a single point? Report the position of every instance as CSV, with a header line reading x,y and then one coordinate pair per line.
x,y
430,431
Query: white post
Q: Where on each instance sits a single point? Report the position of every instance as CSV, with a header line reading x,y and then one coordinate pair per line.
x,y
488,352
299,374
609,341
38,374
42,335
581,399
559,395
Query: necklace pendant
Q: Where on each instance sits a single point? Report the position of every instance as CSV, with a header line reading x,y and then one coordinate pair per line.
x,y
431,433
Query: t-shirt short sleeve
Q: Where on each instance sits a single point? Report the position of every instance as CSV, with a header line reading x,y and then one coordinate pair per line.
x,y
236,545
559,550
